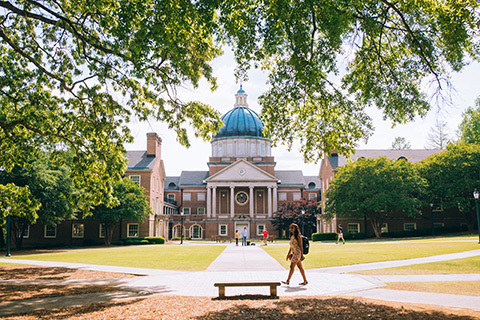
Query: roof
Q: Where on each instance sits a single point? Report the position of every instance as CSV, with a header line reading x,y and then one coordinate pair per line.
x,y
412,155
138,160
312,183
171,183
193,178
290,177
240,122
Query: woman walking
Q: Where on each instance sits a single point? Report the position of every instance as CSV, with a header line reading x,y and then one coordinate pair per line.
x,y
295,254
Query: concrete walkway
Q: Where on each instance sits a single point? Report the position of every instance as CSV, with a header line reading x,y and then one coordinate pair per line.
x,y
254,264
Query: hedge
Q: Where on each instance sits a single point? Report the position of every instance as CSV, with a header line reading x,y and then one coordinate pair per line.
x,y
333,236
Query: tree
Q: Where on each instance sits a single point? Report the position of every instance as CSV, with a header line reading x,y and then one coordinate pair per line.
x,y
452,177
133,205
376,189
400,143
48,186
291,212
74,73
438,137
470,126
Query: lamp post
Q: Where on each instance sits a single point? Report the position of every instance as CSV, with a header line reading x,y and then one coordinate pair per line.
x,y
476,194
431,214
303,222
181,228
8,232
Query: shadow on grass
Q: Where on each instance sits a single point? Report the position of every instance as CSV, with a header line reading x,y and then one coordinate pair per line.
x,y
23,272
333,308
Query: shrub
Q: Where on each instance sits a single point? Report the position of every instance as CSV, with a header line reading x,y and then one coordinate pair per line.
x,y
184,238
324,236
118,243
156,240
144,242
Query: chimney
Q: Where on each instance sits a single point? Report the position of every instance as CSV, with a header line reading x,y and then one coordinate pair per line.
x,y
154,145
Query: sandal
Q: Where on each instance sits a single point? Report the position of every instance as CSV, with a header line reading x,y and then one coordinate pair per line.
x,y
285,282
303,283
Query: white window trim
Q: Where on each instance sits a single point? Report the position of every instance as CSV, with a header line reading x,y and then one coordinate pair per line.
x,y
45,232
192,233
204,196
258,229
385,225
78,237
128,230
312,196
27,233
189,210
203,210
297,196
357,224
101,227
139,178
282,196
172,195
414,226
220,229
185,196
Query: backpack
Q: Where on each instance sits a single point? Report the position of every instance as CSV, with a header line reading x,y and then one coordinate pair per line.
x,y
305,244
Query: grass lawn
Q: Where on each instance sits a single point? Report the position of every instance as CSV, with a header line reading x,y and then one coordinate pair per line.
x,y
466,265
354,252
167,257
449,287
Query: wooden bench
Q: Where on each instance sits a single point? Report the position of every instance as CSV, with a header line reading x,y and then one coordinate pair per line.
x,y
221,286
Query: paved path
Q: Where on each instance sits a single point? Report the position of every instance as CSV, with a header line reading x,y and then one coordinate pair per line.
x,y
252,264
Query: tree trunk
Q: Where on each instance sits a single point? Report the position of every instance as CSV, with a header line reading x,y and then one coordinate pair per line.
x,y
377,228
109,234
2,240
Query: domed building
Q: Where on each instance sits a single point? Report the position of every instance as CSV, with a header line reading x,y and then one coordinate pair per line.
x,y
241,189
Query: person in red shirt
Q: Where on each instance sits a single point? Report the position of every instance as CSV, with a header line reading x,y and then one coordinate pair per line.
x,y
265,236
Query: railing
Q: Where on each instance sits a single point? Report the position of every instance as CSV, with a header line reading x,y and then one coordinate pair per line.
x,y
170,201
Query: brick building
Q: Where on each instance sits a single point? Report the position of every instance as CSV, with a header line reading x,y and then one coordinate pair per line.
x,y
241,188
328,169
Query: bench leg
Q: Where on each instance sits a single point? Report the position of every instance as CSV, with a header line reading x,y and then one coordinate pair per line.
x,y
273,291
221,292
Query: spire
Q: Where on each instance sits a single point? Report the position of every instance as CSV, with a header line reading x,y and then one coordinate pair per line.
x,y
241,98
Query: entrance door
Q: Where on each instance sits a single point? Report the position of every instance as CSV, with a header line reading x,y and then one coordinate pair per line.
x,y
239,226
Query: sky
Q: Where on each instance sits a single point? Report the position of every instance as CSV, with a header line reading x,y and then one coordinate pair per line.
x,y
177,158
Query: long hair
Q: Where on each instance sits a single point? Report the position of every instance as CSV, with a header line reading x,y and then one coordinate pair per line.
x,y
296,232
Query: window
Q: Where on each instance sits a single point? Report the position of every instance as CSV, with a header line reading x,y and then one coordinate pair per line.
x,y
437,205
262,150
260,229
196,232
171,196
51,231
201,211
78,230
177,230
135,179
282,196
241,198
384,228
312,196
153,184
201,196
172,185
132,230
101,231
222,230
353,227
26,232
409,226
312,185
297,196
187,196
438,225
186,210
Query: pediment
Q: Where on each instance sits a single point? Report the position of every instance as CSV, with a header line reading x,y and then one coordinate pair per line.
x,y
242,171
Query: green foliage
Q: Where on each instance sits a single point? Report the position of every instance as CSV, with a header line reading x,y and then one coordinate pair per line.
x,y
17,202
132,205
324,236
291,212
156,240
375,188
452,177
470,126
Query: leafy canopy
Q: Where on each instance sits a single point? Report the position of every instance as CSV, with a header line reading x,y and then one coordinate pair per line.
x,y
470,126
376,188
73,73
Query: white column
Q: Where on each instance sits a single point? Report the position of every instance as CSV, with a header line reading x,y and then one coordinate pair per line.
x,y
269,202
209,202
251,201
275,199
214,202
232,202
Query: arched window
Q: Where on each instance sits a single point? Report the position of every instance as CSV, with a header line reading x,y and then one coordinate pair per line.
x,y
172,185
311,185
176,231
196,232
